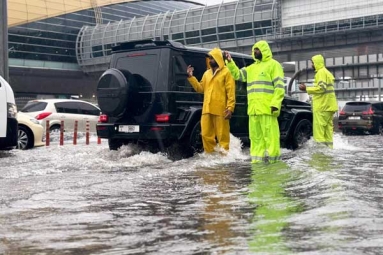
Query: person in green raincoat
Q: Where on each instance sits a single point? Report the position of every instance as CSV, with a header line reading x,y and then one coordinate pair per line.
x,y
324,102
218,88
265,92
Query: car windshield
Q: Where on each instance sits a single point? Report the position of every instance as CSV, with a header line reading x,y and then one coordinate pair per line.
x,y
34,106
356,107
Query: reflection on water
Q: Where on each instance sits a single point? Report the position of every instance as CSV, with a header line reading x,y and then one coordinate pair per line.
x,y
89,200
273,207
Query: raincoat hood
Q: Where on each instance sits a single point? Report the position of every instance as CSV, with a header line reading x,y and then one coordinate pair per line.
x,y
318,61
264,47
218,57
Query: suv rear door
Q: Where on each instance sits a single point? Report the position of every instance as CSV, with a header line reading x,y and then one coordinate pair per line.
x,y
133,93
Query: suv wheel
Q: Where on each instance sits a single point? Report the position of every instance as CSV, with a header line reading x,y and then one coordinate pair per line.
x,y
114,144
302,133
25,138
112,91
195,139
379,129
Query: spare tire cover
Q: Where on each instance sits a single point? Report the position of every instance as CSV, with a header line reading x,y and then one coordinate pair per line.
x,y
112,92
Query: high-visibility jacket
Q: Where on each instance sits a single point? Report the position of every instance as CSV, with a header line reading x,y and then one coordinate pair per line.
x,y
324,98
265,85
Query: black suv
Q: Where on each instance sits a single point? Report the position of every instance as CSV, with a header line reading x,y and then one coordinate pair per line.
x,y
146,98
361,117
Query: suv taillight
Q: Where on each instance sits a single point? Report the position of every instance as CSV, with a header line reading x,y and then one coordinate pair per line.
x,y
162,117
103,118
43,115
342,112
369,112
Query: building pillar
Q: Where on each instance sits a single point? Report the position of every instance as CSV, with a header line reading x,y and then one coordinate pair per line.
x,y
4,69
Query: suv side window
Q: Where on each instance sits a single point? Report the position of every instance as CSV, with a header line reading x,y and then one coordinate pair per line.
x,y
88,109
379,107
196,60
67,107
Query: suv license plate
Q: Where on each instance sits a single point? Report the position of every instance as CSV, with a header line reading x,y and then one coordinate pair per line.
x,y
354,118
129,128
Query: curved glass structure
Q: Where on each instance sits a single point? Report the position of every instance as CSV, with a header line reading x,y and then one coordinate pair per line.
x,y
234,25
42,33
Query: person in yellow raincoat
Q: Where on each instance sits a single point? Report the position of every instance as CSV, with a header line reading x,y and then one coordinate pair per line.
x,y
324,102
218,88
265,92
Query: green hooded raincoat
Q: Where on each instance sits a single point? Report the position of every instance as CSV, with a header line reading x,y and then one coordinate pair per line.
x,y
265,89
324,102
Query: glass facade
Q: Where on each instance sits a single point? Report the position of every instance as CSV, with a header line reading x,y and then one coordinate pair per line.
x,y
54,39
226,25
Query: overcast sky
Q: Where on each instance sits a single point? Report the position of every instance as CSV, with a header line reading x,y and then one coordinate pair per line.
x,y
212,2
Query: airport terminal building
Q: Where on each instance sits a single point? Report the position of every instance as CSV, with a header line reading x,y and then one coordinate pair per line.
x,y
65,51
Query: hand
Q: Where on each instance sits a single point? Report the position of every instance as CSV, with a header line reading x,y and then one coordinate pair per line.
x,y
302,87
273,109
190,70
227,55
228,114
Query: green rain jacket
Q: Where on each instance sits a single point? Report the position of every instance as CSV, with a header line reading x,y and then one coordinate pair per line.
x,y
323,93
265,85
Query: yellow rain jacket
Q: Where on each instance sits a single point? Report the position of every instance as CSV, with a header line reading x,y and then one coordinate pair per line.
x,y
218,88
219,94
324,98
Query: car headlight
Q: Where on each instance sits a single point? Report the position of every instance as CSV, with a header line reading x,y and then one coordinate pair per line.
x,y
34,121
12,110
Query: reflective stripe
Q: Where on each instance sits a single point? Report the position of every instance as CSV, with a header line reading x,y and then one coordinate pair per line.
x,y
327,143
244,72
264,158
280,86
269,91
260,83
278,79
322,82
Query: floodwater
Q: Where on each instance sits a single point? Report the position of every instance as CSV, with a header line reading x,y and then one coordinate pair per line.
x,y
85,199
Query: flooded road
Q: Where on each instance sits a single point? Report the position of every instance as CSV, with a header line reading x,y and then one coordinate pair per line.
x,y
89,200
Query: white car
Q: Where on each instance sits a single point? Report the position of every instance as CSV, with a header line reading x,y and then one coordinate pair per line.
x,y
30,132
67,110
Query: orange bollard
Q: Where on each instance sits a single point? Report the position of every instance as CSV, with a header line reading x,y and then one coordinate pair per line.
x,y
87,133
62,133
75,132
98,140
47,138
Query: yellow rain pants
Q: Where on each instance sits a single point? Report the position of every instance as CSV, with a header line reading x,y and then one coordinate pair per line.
x,y
213,126
264,138
323,128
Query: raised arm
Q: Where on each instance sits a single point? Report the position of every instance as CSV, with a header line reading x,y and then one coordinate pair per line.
x,y
238,74
198,86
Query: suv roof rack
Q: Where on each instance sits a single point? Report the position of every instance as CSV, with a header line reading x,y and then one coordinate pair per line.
x,y
146,44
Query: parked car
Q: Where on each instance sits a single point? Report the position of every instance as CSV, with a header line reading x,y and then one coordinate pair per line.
x,y
30,132
361,117
146,98
8,117
68,110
